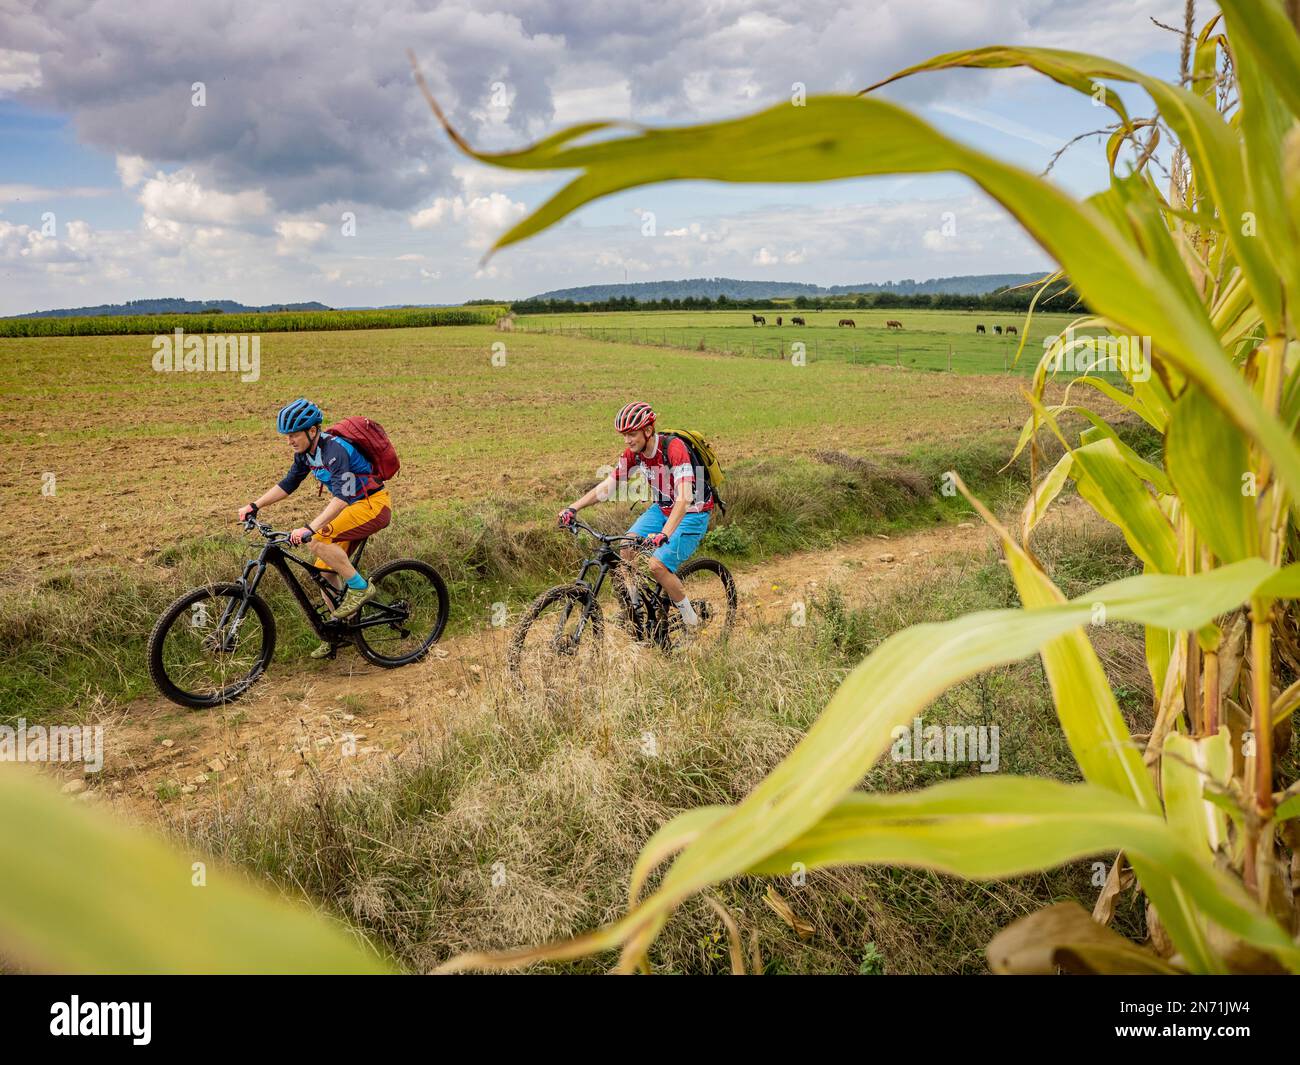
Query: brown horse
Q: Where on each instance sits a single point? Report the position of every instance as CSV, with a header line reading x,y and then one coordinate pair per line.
x,y
1011,331
778,319
797,321
849,322
893,323
980,329
759,319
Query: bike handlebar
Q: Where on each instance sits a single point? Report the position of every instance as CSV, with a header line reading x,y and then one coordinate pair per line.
x,y
577,525
251,524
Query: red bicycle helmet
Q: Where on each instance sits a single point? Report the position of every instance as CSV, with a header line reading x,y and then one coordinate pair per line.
x,y
633,417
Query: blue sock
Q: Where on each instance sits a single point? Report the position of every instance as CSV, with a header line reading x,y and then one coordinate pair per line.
x,y
357,582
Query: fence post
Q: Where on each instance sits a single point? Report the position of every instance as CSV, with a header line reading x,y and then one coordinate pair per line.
x,y
898,360
950,358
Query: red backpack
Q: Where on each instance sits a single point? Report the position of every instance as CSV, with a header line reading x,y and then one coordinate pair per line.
x,y
369,438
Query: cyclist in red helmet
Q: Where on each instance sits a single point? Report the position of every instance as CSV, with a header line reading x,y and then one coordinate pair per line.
x,y
677,525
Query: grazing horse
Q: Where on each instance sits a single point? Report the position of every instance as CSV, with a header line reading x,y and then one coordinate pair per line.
x,y
778,319
893,323
997,329
849,322
1011,331
797,321
759,319
980,329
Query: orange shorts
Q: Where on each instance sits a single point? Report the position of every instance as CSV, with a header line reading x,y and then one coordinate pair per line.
x,y
357,521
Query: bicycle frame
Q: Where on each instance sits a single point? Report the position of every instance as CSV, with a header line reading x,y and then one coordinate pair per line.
x,y
327,628
605,560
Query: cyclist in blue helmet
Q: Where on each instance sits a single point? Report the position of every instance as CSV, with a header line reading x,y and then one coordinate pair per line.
x,y
359,503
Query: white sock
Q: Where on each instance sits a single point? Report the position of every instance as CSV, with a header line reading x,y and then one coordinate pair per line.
x,y
633,593
687,611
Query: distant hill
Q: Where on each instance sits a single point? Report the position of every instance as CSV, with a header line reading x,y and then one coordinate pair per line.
x,y
732,288
170,306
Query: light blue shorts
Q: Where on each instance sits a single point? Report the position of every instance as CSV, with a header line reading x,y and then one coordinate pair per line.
x,y
682,544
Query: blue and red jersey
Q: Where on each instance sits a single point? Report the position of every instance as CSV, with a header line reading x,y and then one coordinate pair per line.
x,y
338,465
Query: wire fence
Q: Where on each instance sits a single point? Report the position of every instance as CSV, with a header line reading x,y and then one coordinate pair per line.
x,y
997,353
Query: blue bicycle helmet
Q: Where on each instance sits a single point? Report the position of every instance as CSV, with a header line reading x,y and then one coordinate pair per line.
x,y
299,415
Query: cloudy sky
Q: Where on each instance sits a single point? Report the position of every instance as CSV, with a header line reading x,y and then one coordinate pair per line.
x,y
120,180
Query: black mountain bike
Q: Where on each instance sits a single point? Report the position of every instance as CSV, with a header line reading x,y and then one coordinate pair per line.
x,y
555,625
213,643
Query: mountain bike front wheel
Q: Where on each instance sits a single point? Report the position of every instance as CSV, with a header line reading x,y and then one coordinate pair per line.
x,y
559,636
210,646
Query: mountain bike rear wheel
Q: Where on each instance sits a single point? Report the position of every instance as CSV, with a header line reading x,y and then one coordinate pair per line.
x,y
406,617
712,592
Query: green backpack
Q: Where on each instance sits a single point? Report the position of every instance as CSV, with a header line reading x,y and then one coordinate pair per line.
x,y
702,458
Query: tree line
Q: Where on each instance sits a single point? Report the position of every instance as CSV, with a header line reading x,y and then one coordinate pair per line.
x,y
1058,296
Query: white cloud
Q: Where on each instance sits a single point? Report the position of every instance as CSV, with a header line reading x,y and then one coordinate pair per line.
x,y
132,170
933,240
477,178
19,71
299,235
178,197
483,217
431,216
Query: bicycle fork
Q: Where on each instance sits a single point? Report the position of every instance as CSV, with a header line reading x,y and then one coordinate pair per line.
x,y
567,642
232,615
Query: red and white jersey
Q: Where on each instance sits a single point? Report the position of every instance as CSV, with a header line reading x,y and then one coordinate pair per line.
x,y
668,470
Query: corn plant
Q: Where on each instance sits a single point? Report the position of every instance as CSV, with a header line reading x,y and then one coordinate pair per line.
x,y
1205,262
248,322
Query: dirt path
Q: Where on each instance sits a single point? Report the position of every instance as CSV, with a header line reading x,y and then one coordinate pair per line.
x,y
164,762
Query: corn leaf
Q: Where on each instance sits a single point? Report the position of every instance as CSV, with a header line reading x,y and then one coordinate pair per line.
x,y
82,893
1208,461
1065,936
1105,480
1188,765
985,828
